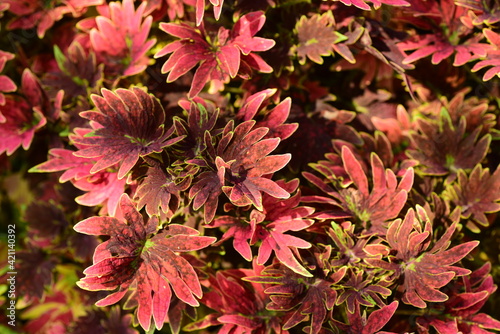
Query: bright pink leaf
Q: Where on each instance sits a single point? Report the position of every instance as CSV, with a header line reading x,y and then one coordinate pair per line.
x,y
119,37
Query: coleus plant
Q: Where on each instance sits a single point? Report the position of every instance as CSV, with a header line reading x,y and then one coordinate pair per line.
x,y
250,166
222,55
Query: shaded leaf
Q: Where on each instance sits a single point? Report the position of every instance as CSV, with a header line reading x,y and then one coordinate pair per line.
x,y
442,148
316,36
424,270
218,58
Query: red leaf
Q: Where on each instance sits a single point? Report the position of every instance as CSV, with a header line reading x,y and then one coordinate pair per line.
x,y
355,171
424,271
239,305
376,3
6,84
379,318
316,36
20,123
352,194
206,191
62,159
476,195
253,103
240,231
131,125
149,262
485,321
119,38
442,148
301,297
244,158
219,58
160,190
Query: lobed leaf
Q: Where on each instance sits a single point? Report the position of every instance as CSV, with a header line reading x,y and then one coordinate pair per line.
x,y
133,257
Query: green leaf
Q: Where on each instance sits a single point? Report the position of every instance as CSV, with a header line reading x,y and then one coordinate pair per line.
x,y
61,60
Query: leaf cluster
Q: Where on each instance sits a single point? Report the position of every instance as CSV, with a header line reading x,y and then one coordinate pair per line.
x,y
256,167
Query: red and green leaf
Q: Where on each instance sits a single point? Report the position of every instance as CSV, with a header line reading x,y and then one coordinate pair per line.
x,y
443,148
376,3
424,270
373,324
128,124
160,191
239,306
302,298
352,194
316,36
460,313
218,58
476,195
135,256
243,155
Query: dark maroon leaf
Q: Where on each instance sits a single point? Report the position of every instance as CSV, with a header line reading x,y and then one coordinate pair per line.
x,y
78,71
31,263
239,306
460,313
47,223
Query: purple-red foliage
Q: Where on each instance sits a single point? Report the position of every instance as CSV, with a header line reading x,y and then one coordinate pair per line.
x,y
128,125
257,167
125,53
6,83
222,55
371,207
423,270
460,312
138,256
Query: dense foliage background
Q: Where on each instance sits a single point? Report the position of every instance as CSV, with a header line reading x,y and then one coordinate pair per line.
x,y
248,166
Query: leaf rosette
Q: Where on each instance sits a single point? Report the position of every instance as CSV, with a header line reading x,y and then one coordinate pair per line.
x,y
128,124
135,258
